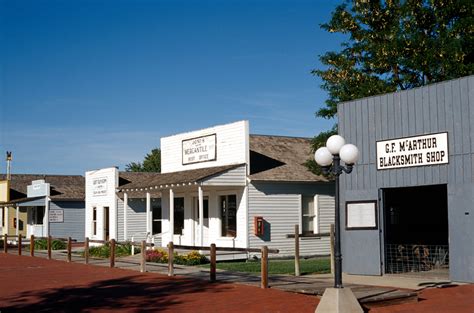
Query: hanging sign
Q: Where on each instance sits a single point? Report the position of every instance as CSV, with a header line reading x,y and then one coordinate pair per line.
x,y
423,150
99,186
200,149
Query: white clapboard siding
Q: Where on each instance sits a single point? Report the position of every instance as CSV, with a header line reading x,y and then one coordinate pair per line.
x,y
279,205
232,147
326,212
233,177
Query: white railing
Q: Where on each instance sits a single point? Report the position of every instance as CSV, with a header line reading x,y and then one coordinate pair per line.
x,y
149,238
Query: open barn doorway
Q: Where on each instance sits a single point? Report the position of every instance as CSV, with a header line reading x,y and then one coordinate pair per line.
x,y
416,230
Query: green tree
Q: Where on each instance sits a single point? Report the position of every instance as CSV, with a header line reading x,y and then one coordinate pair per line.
x,y
151,163
394,45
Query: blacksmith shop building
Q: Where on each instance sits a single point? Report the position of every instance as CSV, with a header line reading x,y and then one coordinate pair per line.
x,y
408,205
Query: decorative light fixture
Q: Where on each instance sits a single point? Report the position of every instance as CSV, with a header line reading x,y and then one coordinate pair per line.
x,y
329,158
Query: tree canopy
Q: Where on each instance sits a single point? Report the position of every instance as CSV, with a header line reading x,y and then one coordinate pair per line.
x,y
396,45
393,45
151,163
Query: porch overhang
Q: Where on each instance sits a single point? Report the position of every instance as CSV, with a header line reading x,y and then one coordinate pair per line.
x,y
155,183
22,202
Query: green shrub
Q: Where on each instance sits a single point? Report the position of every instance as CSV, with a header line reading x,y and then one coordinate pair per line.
x,y
104,250
42,244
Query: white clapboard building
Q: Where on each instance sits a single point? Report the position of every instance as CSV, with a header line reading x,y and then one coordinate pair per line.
x,y
218,185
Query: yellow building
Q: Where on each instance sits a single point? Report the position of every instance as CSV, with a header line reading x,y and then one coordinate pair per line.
x,y
9,215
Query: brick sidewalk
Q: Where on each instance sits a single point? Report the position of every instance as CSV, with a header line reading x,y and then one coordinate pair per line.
x,y
36,284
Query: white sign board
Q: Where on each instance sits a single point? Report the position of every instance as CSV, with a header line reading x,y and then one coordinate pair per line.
x,y
99,186
423,150
38,188
361,215
56,216
200,149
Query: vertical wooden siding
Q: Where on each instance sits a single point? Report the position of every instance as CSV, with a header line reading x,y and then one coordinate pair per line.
x,y
443,107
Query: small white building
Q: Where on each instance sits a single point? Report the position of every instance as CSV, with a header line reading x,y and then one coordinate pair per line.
x,y
218,185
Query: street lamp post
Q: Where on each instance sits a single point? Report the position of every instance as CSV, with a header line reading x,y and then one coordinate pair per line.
x,y
329,158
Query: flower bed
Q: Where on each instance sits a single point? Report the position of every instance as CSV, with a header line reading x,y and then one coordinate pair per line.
x,y
161,256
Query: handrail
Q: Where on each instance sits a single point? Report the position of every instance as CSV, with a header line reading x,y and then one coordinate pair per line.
x,y
54,238
318,235
184,247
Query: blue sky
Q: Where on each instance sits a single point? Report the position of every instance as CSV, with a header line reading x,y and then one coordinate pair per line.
x,y
91,84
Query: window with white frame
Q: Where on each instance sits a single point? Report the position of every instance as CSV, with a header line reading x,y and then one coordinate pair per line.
x,y
309,215
156,219
94,221
228,208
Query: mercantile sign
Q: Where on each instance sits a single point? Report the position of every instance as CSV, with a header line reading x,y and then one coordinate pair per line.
x,y
431,149
200,149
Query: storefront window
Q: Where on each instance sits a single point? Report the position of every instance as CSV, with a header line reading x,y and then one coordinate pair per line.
x,y
178,216
228,206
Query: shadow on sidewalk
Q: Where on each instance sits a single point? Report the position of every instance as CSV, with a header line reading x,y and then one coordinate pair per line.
x,y
131,292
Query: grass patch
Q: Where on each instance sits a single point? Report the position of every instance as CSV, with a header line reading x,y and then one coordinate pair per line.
x,y
307,266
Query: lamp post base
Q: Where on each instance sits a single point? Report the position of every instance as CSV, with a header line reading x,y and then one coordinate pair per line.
x,y
339,300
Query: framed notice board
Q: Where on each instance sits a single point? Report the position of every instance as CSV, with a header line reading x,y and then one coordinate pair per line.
x,y
361,215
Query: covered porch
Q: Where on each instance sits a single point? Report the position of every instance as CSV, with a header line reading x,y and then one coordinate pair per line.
x,y
29,217
197,207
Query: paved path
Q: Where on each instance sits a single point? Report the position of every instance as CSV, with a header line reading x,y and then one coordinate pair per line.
x,y
36,284
454,299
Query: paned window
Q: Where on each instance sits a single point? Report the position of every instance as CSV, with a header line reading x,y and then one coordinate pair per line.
x,y
228,206
156,219
309,215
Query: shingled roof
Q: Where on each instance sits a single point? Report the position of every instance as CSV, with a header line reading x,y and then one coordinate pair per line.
x,y
277,158
63,187
132,181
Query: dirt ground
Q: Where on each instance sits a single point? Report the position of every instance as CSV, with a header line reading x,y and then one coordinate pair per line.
x,y
35,284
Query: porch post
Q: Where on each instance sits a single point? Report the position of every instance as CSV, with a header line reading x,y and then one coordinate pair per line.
x,y
201,216
7,219
171,215
17,229
125,205
2,216
148,211
46,217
